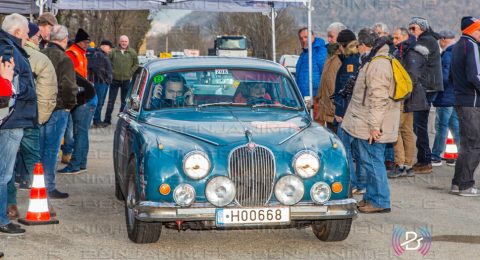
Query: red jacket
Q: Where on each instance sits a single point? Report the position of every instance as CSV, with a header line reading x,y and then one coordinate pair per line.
x,y
79,58
5,87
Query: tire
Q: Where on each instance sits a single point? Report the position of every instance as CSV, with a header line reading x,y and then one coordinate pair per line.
x,y
139,232
332,230
118,191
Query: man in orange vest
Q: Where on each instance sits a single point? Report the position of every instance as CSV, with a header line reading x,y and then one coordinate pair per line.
x,y
76,138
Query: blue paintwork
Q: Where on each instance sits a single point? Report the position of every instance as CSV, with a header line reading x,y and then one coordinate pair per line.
x,y
216,131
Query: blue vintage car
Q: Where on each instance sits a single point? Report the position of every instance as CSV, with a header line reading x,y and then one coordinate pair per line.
x,y
219,143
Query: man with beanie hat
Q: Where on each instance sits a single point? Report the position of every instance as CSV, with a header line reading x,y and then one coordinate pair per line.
x,y
350,59
464,73
420,28
77,52
46,21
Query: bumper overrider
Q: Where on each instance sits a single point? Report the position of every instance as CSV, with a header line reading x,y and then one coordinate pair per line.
x,y
167,212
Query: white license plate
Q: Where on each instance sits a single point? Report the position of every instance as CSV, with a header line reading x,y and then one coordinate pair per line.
x,y
252,216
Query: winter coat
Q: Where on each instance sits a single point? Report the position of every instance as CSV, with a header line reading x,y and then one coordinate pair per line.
x,y
319,55
371,107
326,108
434,80
447,97
79,58
99,67
67,87
348,69
413,57
464,72
86,91
25,112
123,64
45,81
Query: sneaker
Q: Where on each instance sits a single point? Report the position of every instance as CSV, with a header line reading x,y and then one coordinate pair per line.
x,y
12,229
106,123
454,189
451,162
397,172
358,191
369,208
410,172
421,168
389,165
24,185
472,192
437,163
55,194
66,158
69,171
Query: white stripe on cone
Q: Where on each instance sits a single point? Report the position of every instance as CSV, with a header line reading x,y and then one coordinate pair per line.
x,y
451,148
38,181
38,205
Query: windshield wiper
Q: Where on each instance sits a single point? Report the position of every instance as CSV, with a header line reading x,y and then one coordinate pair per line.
x,y
281,106
222,104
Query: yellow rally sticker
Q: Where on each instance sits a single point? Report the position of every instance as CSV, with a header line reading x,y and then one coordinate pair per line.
x,y
350,68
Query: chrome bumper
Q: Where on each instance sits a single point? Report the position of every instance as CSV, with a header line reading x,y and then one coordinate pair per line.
x,y
166,212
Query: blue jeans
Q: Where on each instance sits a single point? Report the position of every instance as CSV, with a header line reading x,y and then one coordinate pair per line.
x,y
82,118
50,139
389,153
67,147
101,90
372,161
10,141
446,118
357,176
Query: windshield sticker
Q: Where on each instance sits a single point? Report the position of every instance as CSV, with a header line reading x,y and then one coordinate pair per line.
x,y
221,71
158,79
274,124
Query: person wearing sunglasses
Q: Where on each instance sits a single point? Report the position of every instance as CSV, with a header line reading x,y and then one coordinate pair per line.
x,y
432,76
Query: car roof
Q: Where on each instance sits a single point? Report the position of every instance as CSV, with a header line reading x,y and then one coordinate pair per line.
x,y
184,63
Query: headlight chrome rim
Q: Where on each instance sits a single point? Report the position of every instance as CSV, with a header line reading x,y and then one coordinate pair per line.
x,y
325,185
279,193
230,191
184,186
188,173
308,153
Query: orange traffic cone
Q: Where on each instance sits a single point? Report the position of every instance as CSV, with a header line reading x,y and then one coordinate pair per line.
x,y
451,151
38,213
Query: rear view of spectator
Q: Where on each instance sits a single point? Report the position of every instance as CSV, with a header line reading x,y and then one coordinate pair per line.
x,y
446,118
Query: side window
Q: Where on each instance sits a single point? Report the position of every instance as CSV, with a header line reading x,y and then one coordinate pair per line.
x,y
138,83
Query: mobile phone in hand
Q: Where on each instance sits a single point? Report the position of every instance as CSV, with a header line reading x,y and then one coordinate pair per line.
x,y
6,52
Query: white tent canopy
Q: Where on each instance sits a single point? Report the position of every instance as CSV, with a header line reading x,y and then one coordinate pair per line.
x,y
197,5
18,6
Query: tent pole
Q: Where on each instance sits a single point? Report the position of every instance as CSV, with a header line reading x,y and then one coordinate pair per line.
x,y
310,63
274,45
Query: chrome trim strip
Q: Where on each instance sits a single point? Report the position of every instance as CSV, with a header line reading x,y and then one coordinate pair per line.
x,y
295,134
183,133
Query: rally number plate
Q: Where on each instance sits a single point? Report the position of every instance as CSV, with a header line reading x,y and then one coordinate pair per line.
x,y
252,216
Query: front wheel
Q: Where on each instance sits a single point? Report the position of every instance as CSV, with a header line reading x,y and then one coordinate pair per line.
x,y
332,230
139,232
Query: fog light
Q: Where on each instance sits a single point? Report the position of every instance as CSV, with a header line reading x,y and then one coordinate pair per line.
x,y
289,190
337,187
220,191
320,192
164,189
184,195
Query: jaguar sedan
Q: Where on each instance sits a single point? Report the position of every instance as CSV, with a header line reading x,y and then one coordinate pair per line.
x,y
226,143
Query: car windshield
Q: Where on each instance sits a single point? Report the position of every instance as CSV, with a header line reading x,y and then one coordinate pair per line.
x,y
221,87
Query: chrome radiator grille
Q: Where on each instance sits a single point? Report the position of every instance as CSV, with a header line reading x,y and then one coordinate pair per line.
x,y
252,169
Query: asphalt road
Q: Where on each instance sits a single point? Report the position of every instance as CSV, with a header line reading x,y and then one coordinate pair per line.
x,y
92,225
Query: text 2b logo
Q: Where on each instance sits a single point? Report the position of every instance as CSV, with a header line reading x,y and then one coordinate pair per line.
x,y
403,240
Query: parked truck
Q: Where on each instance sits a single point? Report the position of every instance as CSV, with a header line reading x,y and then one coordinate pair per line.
x,y
230,46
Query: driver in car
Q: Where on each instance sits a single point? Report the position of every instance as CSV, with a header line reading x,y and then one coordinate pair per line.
x,y
252,93
173,92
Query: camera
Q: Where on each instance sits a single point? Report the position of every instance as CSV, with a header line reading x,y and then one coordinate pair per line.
x,y
347,90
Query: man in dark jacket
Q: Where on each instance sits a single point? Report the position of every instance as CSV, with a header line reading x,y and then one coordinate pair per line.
x,y
433,84
14,33
52,132
100,73
444,102
413,57
319,55
464,71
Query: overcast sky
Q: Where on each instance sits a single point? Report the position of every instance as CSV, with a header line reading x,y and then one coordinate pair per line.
x,y
164,19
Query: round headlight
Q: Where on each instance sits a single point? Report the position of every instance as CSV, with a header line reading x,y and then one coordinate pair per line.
x,y
320,192
184,195
289,190
220,191
306,164
196,165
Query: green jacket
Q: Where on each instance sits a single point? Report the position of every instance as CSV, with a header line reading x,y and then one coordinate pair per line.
x,y
123,64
